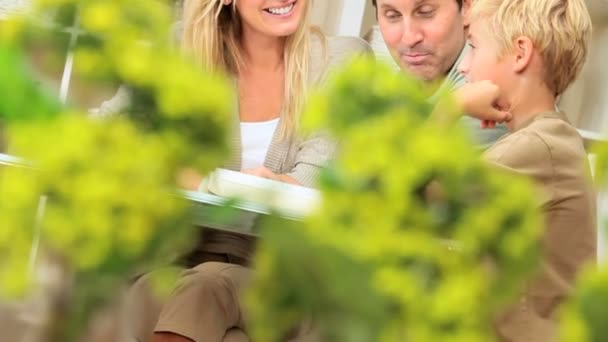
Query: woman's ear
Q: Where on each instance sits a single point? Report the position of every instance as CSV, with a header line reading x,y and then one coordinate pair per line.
x,y
523,53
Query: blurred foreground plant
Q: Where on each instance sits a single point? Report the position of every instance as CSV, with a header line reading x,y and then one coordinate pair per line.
x,y
417,240
105,188
109,210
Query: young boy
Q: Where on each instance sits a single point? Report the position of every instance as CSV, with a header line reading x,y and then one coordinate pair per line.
x,y
532,50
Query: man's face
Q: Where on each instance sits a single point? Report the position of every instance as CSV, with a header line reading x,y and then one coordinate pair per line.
x,y
424,36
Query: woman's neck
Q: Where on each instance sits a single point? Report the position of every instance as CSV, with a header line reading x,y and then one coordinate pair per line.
x,y
262,52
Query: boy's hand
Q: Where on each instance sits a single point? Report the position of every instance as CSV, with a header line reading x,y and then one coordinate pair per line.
x,y
479,100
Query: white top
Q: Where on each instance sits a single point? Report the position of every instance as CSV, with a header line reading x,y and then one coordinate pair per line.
x,y
255,140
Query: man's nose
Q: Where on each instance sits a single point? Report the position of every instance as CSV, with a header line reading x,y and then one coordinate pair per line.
x,y
412,33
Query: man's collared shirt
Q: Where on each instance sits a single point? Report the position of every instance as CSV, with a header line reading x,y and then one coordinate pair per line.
x,y
454,80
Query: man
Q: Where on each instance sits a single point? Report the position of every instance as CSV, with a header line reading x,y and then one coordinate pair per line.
x,y
427,38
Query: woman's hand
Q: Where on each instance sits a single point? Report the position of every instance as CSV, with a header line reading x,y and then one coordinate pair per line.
x,y
480,100
265,172
189,179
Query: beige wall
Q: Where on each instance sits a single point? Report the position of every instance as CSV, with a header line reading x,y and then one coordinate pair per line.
x,y
369,18
586,102
326,14
342,17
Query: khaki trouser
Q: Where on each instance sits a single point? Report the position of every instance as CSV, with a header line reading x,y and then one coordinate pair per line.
x,y
205,306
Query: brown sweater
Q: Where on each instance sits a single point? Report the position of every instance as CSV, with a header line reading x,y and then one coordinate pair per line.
x,y
549,150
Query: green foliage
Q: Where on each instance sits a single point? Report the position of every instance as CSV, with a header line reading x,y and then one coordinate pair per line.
x,y
24,92
110,210
129,43
427,234
600,150
313,278
584,318
86,179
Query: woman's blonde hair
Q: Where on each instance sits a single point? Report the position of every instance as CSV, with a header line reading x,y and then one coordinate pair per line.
x,y
212,35
559,29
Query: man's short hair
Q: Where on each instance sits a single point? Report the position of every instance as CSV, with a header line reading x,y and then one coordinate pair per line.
x,y
559,29
458,1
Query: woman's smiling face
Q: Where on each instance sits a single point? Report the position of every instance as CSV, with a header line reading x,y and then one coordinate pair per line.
x,y
273,18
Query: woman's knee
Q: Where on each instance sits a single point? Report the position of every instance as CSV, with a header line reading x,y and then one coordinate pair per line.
x,y
204,279
143,306
169,337
215,276
236,335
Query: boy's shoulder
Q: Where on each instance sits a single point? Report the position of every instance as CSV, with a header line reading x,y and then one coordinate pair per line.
x,y
519,150
548,141
556,132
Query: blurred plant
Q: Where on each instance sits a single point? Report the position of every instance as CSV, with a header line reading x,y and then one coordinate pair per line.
x,y
109,210
130,43
418,239
584,317
24,91
106,187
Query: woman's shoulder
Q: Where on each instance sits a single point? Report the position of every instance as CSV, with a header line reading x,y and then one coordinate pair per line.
x,y
330,52
338,47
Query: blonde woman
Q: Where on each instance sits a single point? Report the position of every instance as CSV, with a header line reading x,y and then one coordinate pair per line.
x,y
274,57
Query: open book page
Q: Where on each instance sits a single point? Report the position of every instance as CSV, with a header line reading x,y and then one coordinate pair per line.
x,y
9,160
289,199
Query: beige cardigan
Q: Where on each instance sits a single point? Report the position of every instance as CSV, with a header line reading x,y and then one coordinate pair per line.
x,y
300,157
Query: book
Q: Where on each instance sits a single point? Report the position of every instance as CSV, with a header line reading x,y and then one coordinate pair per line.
x,y
243,192
263,194
8,160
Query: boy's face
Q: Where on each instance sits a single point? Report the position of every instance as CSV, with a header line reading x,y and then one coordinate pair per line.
x,y
424,36
482,62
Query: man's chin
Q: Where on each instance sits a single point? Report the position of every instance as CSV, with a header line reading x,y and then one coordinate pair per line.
x,y
424,73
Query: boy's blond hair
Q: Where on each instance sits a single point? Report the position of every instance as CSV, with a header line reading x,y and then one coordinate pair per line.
x,y
559,29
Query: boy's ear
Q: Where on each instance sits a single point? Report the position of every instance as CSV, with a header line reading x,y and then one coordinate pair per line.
x,y
523,51
464,11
